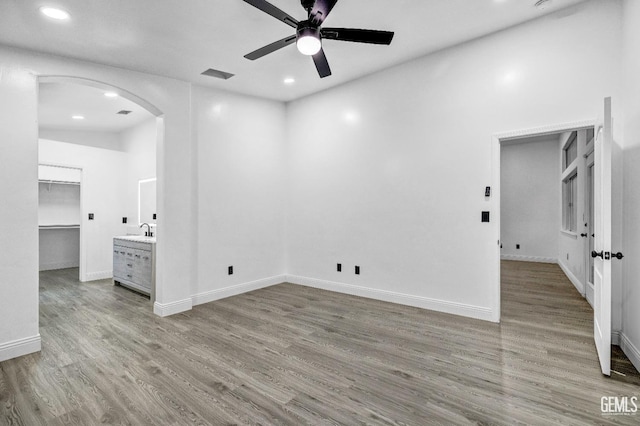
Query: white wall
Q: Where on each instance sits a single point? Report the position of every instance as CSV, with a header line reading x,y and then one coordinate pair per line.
x,y
139,143
104,140
59,248
103,181
19,333
530,212
630,339
388,172
241,192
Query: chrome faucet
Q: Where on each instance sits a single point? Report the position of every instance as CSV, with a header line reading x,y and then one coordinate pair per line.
x,y
148,233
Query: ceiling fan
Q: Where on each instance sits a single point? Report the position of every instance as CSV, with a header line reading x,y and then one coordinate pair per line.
x,y
309,33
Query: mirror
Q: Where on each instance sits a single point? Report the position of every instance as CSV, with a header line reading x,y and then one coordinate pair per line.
x,y
147,201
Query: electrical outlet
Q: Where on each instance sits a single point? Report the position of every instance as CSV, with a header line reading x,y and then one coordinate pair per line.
x,y
90,216
339,267
230,269
357,270
154,216
517,246
124,220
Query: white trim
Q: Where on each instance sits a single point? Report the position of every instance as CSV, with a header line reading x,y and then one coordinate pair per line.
x,y
574,280
59,265
569,234
20,347
521,258
94,276
172,308
221,293
471,311
545,130
589,294
615,338
630,350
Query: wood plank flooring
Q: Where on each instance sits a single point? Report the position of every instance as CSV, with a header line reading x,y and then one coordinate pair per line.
x,y
295,355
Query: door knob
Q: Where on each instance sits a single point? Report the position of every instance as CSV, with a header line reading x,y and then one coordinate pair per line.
x,y
617,255
596,254
583,235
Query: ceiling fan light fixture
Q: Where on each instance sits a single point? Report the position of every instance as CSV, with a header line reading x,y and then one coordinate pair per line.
x,y
308,39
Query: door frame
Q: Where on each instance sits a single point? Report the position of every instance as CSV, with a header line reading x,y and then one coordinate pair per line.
x,y
496,140
589,213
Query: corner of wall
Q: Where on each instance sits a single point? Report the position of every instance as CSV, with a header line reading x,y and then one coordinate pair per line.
x,y
172,308
20,347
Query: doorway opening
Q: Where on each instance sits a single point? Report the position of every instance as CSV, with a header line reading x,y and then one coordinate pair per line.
x,y
547,202
96,144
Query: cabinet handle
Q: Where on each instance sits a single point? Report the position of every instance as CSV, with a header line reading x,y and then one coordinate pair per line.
x,y
121,252
137,255
146,258
129,275
129,264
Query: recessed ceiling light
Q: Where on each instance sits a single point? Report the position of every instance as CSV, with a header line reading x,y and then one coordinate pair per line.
x,y
53,13
77,117
111,94
289,80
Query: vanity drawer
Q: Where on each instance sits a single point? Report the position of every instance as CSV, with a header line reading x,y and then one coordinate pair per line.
x,y
132,244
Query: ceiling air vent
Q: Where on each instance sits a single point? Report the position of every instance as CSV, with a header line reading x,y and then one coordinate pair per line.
x,y
124,112
218,74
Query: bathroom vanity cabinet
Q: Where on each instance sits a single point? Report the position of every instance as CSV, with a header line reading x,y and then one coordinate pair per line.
x,y
134,263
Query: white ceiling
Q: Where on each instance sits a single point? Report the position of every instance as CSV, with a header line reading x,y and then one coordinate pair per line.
x,y
58,102
181,39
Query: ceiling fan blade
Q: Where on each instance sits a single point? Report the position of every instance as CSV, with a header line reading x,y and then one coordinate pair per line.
x,y
357,35
270,48
322,65
270,9
320,10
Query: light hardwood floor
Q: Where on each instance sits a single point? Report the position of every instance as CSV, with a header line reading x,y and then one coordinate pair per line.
x,y
296,355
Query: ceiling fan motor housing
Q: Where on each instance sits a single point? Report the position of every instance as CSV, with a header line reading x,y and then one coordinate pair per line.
x,y
308,29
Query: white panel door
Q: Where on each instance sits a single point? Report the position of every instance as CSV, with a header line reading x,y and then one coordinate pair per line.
x,y
602,244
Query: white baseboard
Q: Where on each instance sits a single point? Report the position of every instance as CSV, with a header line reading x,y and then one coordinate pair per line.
x,y
172,308
58,265
20,347
210,296
615,338
574,280
94,276
477,312
520,258
630,350
589,294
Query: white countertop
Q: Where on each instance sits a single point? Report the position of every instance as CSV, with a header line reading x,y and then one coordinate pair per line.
x,y
138,238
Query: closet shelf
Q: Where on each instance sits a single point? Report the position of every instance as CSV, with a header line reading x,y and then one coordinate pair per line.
x,y
72,226
57,182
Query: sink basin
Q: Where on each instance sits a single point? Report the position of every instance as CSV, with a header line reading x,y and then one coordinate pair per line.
x,y
140,238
